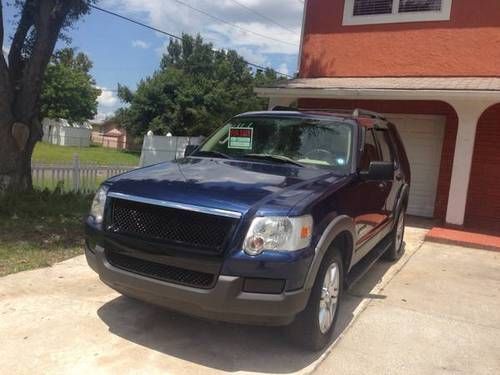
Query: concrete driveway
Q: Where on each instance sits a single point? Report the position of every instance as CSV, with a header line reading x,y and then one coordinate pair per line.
x,y
438,308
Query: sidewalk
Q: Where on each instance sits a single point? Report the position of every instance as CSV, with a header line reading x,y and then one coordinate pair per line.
x,y
440,314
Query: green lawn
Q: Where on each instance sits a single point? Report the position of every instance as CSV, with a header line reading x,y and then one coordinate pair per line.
x,y
40,228
53,154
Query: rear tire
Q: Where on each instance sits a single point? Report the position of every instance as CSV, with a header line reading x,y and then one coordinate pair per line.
x,y
397,248
313,328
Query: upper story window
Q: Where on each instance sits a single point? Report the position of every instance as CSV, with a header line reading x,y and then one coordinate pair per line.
x,y
365,12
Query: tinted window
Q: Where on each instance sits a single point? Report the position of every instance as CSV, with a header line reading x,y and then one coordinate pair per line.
x,y
370,151
320,143
384,140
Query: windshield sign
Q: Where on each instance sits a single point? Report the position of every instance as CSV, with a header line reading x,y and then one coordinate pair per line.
x,y
240,138
297,141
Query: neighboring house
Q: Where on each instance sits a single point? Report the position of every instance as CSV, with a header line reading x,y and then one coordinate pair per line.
x,y
110,134
61,132
433,67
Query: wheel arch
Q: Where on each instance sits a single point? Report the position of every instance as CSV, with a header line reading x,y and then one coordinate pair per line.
x,y
341,234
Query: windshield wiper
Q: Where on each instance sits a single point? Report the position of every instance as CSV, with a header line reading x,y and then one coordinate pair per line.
x,y
216,154
276,158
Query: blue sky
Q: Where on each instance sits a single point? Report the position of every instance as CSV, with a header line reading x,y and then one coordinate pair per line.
x,y
124,53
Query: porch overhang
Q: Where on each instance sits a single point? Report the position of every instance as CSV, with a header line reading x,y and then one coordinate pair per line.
x,y
385,88
469,96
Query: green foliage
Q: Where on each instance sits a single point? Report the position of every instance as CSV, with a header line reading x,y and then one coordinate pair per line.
x,y
69,90
51,154
195,90
43,204
40,228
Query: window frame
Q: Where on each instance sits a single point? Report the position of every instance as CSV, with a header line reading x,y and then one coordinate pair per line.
x,y
395,17
367,131
383,136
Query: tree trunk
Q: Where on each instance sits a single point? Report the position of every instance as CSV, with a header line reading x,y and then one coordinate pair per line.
x,y
20,87
17,142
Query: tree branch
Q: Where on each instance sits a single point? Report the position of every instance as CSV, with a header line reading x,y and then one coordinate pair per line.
x,y
5,89
48,21
1,25
15,53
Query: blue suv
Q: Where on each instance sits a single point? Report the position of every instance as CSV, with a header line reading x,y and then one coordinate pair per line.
x,y
267,222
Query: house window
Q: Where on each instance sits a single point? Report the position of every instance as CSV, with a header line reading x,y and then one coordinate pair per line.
x,y
420,5
365,12
368,7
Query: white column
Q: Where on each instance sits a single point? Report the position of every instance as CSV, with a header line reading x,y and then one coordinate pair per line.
x,y
280,101
468,113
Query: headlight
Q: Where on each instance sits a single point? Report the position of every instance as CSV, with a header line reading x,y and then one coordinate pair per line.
x,y
278,233
98,204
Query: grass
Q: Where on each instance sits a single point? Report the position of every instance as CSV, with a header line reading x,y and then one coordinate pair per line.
x,y
40,228
53,154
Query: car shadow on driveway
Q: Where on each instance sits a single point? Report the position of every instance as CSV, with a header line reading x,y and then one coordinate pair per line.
x,y
224,346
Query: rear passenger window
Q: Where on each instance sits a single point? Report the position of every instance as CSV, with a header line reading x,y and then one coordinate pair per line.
x,y
370,151
384,142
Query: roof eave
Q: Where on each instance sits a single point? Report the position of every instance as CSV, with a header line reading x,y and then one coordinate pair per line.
x,y
375,94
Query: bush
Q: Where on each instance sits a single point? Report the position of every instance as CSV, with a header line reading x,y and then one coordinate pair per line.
x,y
44,203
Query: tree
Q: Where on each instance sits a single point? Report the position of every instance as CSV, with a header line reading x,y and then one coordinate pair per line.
x,y
39,27
69,90
193,92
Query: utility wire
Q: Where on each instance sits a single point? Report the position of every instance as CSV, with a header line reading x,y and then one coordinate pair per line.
x,y
264,16
136,22
232,24
173,35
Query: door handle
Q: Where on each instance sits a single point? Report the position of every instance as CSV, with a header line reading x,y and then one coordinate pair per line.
x,y
382,185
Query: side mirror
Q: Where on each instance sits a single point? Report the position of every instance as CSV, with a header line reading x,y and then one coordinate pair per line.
x,y
189,150
379,170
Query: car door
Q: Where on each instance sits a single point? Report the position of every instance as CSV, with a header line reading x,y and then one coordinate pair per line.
x,y
365,200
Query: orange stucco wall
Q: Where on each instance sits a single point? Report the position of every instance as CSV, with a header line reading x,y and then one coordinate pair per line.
x,y
467,45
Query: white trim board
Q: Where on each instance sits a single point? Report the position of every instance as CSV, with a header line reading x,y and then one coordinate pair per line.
x,y
349,19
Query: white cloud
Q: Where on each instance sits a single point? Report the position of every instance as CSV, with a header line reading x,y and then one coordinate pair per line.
x,y
108,104
176,18
107,98
140,44
101,117
283,68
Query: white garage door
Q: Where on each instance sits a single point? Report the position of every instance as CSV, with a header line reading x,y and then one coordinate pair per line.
x,y
423,139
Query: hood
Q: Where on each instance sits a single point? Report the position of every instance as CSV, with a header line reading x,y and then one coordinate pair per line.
x,y
221,184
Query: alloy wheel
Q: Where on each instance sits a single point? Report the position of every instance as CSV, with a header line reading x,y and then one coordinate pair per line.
x,y
329,298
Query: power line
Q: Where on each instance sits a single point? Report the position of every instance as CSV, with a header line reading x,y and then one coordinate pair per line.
x,y
136,22
257,66
263,16
232,24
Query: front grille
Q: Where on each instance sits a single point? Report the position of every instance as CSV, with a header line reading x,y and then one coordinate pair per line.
x,y
191,229
161,271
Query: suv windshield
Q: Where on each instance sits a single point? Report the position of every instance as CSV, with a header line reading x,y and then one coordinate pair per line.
x,y
298,141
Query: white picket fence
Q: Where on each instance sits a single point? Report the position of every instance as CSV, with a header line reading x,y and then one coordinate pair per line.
x,y
158,149
75,177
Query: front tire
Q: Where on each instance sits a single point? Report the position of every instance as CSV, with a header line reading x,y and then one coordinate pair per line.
x,y
313,328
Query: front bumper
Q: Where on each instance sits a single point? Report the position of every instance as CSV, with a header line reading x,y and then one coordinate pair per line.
x,y
226,301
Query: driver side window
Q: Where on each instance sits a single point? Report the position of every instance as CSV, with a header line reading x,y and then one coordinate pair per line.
x,y
370,151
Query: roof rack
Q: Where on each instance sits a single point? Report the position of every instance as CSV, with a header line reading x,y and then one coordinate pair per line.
x,y
357,113
284,108
363,112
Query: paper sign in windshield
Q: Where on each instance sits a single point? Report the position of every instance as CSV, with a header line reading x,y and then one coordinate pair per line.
x,y
241,138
